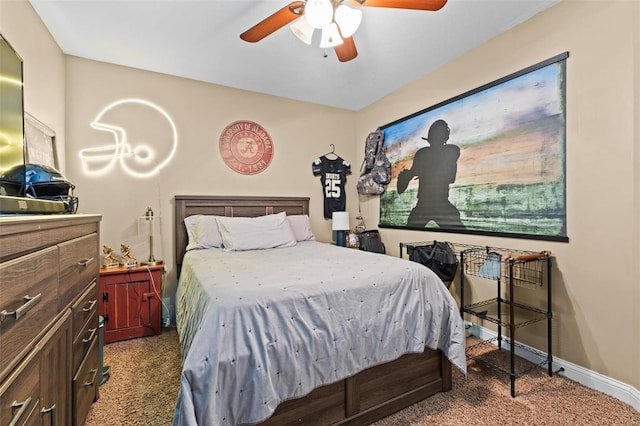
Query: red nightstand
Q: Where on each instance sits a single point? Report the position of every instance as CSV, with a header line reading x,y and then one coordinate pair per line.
x,y
131,302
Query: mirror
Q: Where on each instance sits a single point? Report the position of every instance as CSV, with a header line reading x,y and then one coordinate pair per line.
x,y
11,110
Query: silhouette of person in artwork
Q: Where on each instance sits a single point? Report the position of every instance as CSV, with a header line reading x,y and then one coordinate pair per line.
x,y
435,167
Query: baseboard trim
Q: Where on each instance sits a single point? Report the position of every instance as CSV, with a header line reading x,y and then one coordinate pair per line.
x,y
591,379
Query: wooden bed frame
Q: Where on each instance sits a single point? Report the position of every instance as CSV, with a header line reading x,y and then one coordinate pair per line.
x,y
358,400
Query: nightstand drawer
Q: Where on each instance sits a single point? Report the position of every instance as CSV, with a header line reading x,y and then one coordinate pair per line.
x,y
29,291
20,394
78,266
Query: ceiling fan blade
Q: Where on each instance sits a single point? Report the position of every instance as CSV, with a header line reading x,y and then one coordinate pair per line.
x,y
347,50
273,22
431,5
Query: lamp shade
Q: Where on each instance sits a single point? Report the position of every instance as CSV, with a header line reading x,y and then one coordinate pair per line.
x,y
319,13
303,30
340,221
148,225
348,20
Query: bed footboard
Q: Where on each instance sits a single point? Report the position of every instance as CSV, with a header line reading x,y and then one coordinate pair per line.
x,y
371,394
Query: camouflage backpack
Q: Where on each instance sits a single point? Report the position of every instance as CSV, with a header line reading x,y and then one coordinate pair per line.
x,y
374,143
381,171
376,168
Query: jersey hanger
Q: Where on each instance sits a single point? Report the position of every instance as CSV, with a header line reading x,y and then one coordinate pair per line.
x,y
332,152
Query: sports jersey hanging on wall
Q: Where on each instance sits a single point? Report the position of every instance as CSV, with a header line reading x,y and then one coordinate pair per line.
x,y
333,177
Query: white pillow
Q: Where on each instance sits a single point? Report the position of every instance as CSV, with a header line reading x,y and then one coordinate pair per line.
x,y
203,232
255,233
301,227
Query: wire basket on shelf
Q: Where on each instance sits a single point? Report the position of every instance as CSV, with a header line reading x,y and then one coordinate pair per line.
x,y
525,268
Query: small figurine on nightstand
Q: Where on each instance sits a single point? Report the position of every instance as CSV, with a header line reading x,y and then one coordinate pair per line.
x,y
126,260
110,260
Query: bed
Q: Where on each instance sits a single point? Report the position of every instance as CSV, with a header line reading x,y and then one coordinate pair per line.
x,y
308,333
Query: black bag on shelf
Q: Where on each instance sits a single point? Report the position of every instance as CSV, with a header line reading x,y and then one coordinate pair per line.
x,y
439,257
371,241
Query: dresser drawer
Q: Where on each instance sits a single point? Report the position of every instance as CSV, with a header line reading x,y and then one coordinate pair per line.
x,y
84,308
20,394
55,373
84,318
28,303
83,340
78,266
85,385
19,239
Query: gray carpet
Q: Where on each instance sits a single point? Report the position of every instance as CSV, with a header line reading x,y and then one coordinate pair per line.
x,y
145,377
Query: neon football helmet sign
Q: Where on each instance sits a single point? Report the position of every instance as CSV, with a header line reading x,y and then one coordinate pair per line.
x,y
140,150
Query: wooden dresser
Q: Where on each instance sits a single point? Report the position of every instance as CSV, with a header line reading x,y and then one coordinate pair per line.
x,y
48,318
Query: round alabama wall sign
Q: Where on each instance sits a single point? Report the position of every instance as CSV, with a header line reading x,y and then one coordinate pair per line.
x,y
246,147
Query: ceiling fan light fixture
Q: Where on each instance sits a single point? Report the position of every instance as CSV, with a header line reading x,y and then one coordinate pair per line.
x,y
319,13
348,19
303,30
330,36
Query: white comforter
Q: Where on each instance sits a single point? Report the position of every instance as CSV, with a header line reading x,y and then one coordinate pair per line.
x,y
260,327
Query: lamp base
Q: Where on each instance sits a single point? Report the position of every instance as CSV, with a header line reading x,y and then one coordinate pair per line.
x,y
340,238
151,263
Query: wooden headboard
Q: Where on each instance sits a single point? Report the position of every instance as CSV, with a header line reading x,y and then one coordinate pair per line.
x,y
188,205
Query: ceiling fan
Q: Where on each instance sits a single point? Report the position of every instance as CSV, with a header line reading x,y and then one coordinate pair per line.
x,y
337,21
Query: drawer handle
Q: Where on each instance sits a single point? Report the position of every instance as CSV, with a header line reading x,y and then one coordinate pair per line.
x,y
93,379
51,410
92,303
23,407
85,262
29,302
90,338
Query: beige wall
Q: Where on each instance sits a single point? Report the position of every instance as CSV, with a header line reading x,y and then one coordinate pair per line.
x,y
635,228
300,132
596,275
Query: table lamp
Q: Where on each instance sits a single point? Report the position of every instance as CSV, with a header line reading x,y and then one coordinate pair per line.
x,y
148,218
340,223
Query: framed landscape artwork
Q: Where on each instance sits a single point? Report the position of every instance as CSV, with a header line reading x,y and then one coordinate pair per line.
x,y
489,161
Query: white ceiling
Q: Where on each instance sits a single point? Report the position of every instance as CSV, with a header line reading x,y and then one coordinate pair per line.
x,y
199,39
